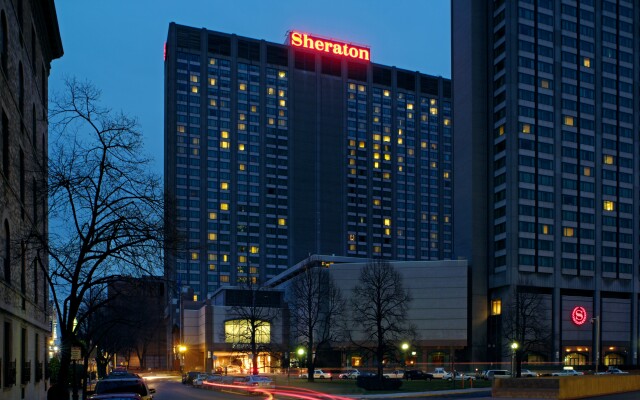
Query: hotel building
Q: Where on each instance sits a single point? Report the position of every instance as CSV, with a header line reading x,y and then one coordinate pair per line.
x,y
277,151
29,41
546,167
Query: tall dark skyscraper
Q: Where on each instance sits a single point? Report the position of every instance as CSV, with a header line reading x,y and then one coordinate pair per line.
x,y
546,167
274,152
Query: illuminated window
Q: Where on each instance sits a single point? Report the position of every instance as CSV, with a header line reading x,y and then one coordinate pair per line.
x,y
194,78
376,164
352,161
224,134
400,168
254,250
282,74
376,202
239,331
241,167
608,205
361,145
386,175
400,159
446,218
224,206
242,127
195,297
387,222
608,159
213,215
352,247
271,91
224,278
386,93
377,249
400,141
213,102
586,171
433,102
225,257
526,128
194,89
181,129
213,257
194,152
567,231
242,259
283,103
212,82
568,120
409,106
212,61
242,117
387,157
224,145
212,236
352,171
434,164
433,110
352,237
446,122
271,121
352,86
586,62
212,267
282,221
545,229
387,231
281,93
241,147
254,109
496,307
446,175
386,139
242,87
224,185
194,255
501,130
544,83
377,137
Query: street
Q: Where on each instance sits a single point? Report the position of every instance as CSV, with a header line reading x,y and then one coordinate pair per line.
x,y
173,389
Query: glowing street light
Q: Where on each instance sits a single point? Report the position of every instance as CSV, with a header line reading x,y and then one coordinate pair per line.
x,y
404,346
514,367
182,349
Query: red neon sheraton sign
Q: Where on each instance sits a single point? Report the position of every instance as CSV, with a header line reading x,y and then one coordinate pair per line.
x,y
579,315
306,41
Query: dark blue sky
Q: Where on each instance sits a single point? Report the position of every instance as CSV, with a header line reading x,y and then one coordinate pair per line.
x,y
118,44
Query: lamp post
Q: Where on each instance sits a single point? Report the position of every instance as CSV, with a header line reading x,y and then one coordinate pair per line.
x,y
404,347
514,367
596,320
182,349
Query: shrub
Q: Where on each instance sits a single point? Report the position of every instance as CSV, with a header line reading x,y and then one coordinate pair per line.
x,y
374,383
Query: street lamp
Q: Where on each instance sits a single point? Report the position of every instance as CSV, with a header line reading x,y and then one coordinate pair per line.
x,y
182,349
596,320
404,347
514,367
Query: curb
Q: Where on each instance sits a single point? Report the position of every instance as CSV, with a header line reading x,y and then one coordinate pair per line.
x,y
433,393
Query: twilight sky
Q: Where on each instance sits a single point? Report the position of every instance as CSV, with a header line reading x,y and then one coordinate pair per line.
x,y
118,44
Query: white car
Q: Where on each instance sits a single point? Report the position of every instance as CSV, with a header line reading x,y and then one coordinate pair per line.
x,y
347,374
258,381
462,377
525,373
615,371
317,374
199,380
568,372
397,374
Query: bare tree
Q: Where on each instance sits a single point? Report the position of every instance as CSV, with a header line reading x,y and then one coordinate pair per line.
x,y
105,207
317,308
379,307
254,310
526,323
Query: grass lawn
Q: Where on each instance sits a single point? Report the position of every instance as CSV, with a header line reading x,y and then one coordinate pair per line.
x,y
348,386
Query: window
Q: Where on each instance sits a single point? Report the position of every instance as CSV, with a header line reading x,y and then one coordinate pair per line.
x,y
239,331
567,231
496,307
608,205
608,159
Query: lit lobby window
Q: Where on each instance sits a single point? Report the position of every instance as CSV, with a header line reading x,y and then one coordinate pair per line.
x,y
496,307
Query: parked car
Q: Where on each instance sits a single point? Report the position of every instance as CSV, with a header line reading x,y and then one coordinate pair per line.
x,y
460,376
347,374
116,396
258,381
415,374
397,374
615,371
188,378
496,374
567,372
525,373
317,374
439,373
200,379
125,385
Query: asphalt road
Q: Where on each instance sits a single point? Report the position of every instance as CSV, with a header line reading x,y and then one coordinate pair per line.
x,y
175,390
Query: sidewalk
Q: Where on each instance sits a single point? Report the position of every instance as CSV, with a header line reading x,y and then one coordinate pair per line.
x,y
433,393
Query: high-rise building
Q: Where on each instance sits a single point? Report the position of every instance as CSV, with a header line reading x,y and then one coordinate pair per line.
x,y
277,151
546,167
29,41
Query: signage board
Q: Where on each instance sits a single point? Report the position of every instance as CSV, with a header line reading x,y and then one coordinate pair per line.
x,y
76,353
329,46
579,315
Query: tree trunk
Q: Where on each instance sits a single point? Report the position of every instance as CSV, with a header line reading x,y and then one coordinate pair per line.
x,y
65,361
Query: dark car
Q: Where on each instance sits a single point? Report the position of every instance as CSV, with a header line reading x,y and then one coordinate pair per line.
x,y
188,378
124,385
117,396
415,374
